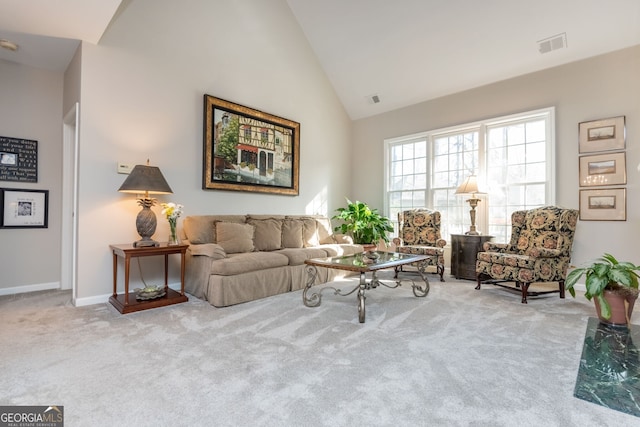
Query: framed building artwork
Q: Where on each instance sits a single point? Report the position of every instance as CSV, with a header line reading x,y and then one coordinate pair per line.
x,y
249,150
24,208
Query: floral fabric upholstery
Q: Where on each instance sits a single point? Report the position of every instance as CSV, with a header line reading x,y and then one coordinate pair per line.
x,y
539,249
420,235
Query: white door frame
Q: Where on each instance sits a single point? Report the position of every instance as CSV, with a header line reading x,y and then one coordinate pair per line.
x,y
69,244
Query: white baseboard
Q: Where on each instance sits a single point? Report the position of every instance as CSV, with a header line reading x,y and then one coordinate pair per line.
x,y
98,299
29,288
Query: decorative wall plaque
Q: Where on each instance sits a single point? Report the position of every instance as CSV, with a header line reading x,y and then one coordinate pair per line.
x,y
18,159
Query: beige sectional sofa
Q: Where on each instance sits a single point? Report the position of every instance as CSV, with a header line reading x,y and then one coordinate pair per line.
x,y
238,258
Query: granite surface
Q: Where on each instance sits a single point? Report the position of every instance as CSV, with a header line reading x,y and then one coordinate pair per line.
x,y
609,372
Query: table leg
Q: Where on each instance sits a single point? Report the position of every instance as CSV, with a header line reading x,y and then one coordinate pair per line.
x,y
127,263
315,298
361,297
115,275
182,267
166,272
418,290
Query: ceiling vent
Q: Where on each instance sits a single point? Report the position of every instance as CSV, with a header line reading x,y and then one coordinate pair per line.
x,y
556,42
373,99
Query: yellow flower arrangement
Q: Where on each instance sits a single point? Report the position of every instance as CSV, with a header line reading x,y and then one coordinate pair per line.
x,y
172,212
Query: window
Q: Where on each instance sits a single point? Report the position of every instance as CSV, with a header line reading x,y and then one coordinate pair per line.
x,y
407,172
512,156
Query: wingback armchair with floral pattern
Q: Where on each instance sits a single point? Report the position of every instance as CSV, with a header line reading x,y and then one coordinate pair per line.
x,y
539,250
420,235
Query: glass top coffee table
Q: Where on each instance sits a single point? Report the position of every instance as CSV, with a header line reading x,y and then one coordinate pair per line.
x,y
364,263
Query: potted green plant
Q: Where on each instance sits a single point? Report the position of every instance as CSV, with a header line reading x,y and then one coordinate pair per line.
x,y
365,225
612,284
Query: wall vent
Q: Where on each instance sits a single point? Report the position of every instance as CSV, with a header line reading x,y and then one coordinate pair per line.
x,y
556,42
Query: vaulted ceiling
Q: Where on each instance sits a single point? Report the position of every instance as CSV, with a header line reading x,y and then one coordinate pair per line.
x,y
401,52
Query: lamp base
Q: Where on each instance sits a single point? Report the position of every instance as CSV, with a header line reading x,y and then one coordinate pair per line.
x,y
145,243
472,233
146,224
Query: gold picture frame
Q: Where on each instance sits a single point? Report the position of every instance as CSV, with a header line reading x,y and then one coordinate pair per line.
x,y
249,150
604,204
603,169
602,135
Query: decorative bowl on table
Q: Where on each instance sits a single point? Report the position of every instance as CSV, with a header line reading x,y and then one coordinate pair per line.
x,y
150,292
372,255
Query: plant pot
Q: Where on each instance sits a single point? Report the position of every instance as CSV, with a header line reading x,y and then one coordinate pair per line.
x,y
369,247
621,307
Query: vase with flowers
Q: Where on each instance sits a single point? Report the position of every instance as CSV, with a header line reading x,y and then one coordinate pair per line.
x,y
172,212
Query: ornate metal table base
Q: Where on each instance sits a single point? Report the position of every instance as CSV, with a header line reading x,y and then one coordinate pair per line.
x,y
313,299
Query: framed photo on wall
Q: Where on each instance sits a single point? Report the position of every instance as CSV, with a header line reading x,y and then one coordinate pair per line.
x,y
18,159
602,135
249,150
608,204
603,169
24,208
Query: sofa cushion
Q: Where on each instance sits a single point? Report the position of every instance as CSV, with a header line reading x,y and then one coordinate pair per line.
x,y
247,262
309,232
323,225
201,228
298,256
292,233
268,233
234,237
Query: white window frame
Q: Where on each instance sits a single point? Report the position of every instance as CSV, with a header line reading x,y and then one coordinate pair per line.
x,y
482,126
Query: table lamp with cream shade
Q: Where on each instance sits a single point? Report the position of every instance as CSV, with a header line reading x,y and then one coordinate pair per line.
x,y
145,180
470,187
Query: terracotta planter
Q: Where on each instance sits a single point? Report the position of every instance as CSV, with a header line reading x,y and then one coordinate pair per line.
x,y
369,247
621,307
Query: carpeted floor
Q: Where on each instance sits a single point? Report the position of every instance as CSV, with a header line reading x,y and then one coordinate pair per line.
x,y
458,357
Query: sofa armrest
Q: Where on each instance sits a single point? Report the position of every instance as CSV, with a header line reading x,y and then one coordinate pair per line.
x,y
440,243
197,273
342,238
210,250
495,247
537,252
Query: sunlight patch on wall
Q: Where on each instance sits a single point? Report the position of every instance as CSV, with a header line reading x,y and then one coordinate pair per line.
x,y
318,205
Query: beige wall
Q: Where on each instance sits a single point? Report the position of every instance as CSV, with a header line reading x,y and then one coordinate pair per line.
x,y
142,97
31,108
600,87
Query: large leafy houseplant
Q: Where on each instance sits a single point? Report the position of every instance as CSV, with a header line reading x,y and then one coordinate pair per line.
x,y
606,274
363,224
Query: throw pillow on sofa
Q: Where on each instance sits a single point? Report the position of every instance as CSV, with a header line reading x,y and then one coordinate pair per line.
x,y
235,238
267,235
292,233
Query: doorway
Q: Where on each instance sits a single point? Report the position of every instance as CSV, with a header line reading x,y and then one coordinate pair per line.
x,y
69,251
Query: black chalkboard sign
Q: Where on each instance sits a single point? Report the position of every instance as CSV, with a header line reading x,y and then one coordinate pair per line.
x,y
18,159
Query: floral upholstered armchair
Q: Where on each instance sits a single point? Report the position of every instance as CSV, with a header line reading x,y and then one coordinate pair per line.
x,y
420,235
539,251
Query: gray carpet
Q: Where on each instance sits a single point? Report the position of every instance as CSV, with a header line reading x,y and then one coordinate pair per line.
x,y
458,357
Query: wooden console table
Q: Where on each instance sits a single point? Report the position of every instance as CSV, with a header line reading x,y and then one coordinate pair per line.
x,y
127,302
464,251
